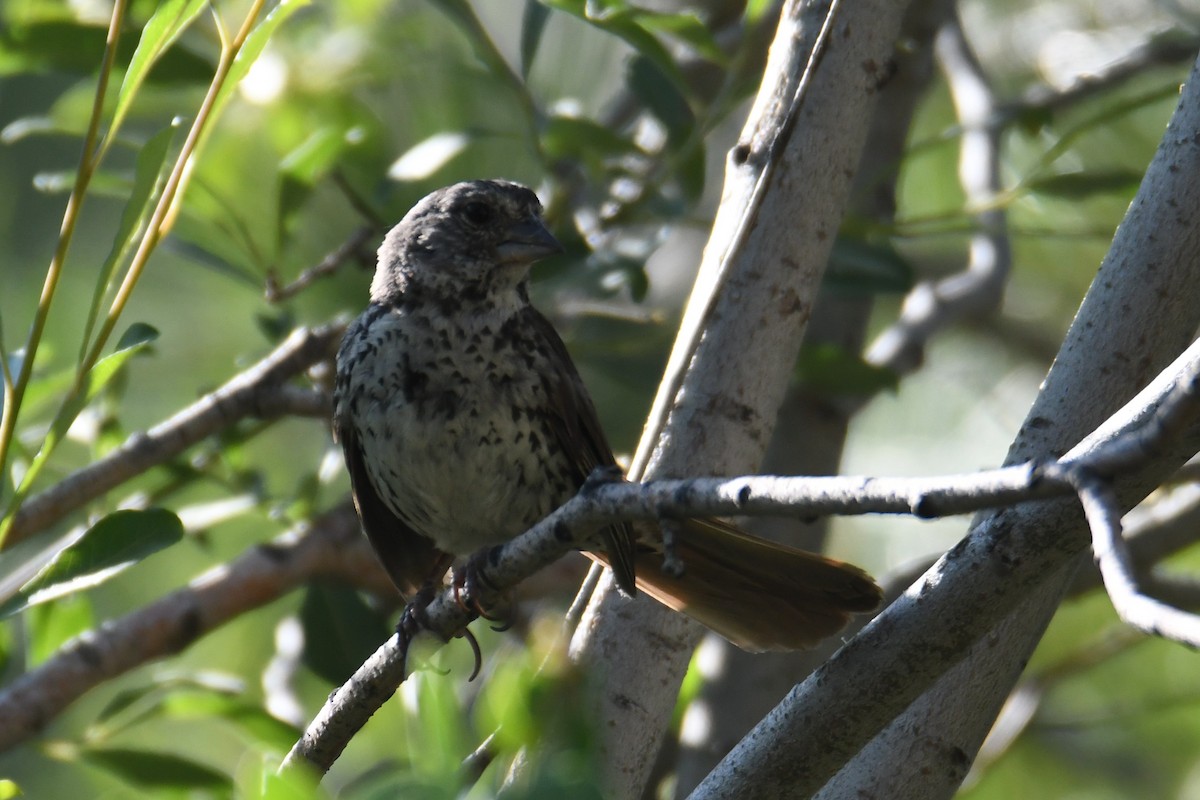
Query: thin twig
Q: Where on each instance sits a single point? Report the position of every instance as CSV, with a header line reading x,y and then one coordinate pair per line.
x,y
331,263
1112,556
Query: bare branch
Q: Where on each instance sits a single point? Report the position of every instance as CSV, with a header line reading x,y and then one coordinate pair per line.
x,y
349,708
932,306
1135,608
257,391
1158,51
328,546
787,183
331,263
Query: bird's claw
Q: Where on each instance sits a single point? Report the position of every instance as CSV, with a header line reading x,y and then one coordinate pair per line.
x,y
471,584
414,619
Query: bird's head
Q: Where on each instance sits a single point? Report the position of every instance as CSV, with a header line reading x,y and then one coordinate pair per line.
x,y
473,240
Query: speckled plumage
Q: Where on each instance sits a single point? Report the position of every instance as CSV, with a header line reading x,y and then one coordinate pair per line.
x,y
457,396
464,422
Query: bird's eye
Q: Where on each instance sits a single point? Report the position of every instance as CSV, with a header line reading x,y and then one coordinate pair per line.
x,y
478,213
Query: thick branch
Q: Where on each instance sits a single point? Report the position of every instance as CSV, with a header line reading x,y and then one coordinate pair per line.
x,y
1141,308
349,708
787,183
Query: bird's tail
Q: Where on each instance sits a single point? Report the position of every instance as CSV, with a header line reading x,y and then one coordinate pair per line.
x,y
756,593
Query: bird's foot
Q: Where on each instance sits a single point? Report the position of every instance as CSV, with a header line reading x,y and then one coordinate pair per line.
x,y
602,476
471,585
415,618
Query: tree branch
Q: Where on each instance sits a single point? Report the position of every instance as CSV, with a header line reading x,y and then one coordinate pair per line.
x,y
933,305
257,391
1139,440
328,546
787,183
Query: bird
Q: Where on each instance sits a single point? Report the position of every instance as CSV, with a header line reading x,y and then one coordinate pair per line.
x,y
464,421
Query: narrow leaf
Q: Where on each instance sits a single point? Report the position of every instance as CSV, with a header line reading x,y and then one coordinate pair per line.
x,y
621,21
533,25
116,542
149,174
170,19
340,631
662,96
1077,185
156,770
685,26
856,265
252,48
134,341
573,137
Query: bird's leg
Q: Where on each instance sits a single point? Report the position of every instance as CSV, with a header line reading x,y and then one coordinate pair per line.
x,y
413,620
471,585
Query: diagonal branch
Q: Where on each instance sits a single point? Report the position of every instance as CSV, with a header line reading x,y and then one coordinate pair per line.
x,y
327,546
258,391
1133,441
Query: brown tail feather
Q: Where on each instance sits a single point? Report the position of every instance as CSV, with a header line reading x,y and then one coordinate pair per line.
x,y
758,594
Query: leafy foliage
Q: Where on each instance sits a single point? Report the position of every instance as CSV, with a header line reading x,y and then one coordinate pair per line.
x,y
169,176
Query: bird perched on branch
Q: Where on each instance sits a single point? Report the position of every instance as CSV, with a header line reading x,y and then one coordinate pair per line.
x,y
464,422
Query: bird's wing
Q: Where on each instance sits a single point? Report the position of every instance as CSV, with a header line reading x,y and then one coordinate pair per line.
x,y
411,560
577,427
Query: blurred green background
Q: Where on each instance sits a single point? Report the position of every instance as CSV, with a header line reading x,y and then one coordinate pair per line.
x,y
340,93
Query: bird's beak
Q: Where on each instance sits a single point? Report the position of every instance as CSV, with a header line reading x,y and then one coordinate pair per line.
x,y
526,242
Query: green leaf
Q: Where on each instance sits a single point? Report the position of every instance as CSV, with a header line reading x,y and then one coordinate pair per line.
x,y
662,96
340,631
684,26
830,369
1078,185
135,338
134,341
52,624
857,265
155,770
302,168
73,47
252,48
116,542
756,10
621,21
691,168
258,779
533,25
149,175
165,694
6,647
444,737
577,137
170,19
